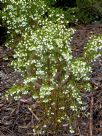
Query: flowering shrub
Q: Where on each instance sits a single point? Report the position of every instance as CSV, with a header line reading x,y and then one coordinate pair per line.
x,y
50,72
93,48
23,15
44,58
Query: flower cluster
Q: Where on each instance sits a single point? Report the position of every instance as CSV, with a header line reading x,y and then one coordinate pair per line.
x,y
93,48
81,70
23,15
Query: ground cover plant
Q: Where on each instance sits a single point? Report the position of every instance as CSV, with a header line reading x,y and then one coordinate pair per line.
x,y
43,56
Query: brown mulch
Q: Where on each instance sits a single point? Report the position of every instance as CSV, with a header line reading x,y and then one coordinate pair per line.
x,y
15,117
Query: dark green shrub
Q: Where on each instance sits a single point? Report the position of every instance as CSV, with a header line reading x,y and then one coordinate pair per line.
x,y
89,10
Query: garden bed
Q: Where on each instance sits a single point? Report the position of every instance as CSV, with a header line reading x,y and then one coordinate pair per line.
x,y
15,117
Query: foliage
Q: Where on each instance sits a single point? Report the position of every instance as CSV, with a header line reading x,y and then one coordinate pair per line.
x,y
89,10
43,56
23,15
81,11
71,15
93,49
